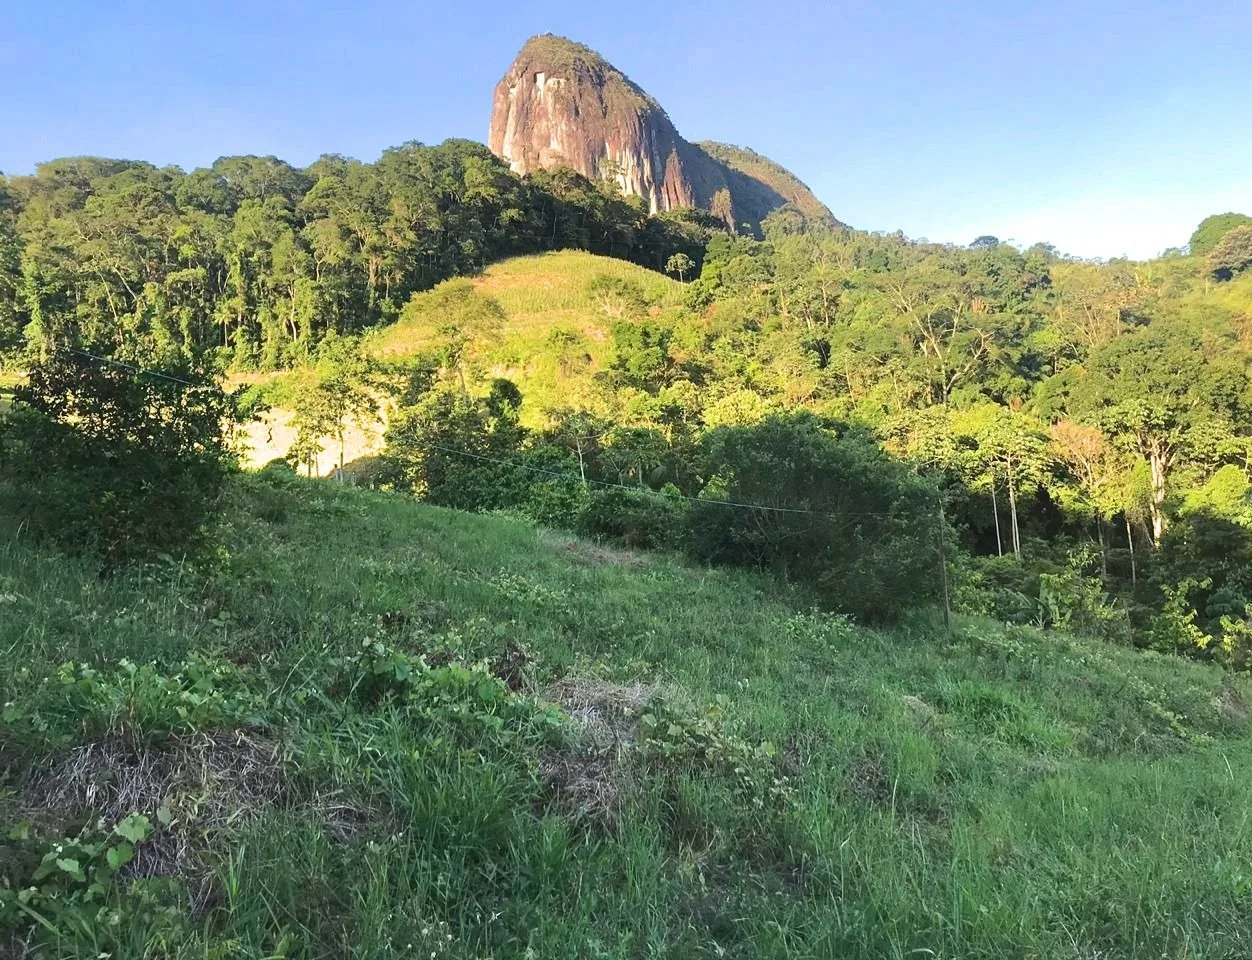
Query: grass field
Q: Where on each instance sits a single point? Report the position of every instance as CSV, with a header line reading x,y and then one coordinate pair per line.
x,y
540,295
368,728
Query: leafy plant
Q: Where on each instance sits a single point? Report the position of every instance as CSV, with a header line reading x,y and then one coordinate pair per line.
x,y
123,464
674,739
73,877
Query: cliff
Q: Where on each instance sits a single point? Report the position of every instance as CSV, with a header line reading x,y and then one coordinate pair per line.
x,y
562,104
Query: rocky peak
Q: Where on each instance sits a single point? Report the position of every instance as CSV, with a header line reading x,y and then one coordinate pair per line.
x,y
562,104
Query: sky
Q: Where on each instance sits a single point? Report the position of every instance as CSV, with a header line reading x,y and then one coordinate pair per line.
x,y
1106,127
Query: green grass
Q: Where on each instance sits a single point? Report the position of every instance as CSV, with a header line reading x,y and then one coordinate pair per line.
x,y
10,380
540,295
994,793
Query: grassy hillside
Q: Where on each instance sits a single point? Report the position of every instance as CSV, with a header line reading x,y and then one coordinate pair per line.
x,y
542,295
9,381
650,761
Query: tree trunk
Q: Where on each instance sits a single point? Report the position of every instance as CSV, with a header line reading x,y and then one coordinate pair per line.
x,y
995,511
1156,463
1104,556
1130,542
1017,540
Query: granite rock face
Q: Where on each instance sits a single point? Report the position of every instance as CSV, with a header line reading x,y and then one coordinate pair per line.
x,y
562,104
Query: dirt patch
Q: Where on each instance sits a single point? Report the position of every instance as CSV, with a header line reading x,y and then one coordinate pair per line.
x,y
918,708
590,777
513,666
1233,706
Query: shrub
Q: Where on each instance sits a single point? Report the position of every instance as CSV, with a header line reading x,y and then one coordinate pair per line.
x,y
102,458
856,525
1003,588
640,518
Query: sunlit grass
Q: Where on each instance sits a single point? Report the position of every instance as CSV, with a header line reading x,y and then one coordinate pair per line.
x,y
998,792
541,295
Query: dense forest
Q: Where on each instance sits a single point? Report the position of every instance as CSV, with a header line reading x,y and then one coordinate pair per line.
x,y
252,261
1079,429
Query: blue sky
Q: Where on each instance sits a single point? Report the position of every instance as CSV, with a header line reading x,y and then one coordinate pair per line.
x,y
1106,127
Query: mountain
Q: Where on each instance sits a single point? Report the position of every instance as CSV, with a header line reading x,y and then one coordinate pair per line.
x,y
562,104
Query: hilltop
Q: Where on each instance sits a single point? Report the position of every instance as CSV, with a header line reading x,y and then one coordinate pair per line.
x,y
545,298
562,104
476,737
554,338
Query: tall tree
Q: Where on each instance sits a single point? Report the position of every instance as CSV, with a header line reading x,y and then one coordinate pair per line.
x,y
1172,393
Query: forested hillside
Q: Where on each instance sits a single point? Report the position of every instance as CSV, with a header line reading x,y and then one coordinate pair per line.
x,y
252,261
1083,427
1085,424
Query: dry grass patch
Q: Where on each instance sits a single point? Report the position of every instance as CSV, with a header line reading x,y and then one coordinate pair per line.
x,y
590,779
590,553
202,785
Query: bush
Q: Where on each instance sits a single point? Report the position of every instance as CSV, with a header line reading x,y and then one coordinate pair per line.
x,y
1002,588
856,525
640,518
104,459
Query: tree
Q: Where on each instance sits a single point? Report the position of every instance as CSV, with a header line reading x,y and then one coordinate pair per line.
x,y
1095,467
1212,229
1170,393
463,318
1090,306
1232,255
580,432
112,461
680,264
459,453
11,314
1007,444
949,329
341,394
985,242
835,512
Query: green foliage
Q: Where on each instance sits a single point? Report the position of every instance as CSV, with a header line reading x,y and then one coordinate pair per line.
x,y
1076,603
680,264
142,702
635,518
258,260
339,395
835,512
74,882
909,775
1232,255
457,452
675,738
1212,229
107,460
1205,579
